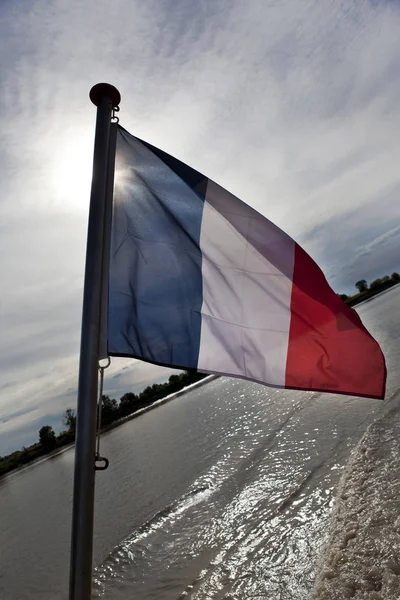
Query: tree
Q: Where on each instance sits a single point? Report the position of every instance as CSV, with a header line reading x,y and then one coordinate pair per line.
x,y
343,297
147,395
47,438
395,277
174,383
188,377
109,410
69,420
128,404
376,285
362,286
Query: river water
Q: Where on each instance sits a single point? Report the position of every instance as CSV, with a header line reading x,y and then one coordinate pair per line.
x,y
223,493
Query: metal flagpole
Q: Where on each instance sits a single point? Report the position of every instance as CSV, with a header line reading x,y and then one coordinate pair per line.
x,y
105,97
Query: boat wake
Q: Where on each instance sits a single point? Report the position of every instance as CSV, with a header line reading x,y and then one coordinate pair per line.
x,y
361,559
249,512
253,521
125,553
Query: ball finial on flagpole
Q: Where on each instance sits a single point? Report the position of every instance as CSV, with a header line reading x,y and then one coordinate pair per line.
x,y
101,90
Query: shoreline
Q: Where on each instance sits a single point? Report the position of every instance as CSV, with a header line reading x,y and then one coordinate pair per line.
x,y
158,403
112,426
367,296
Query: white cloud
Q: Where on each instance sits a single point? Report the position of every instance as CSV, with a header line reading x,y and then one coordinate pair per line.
x,y
292,106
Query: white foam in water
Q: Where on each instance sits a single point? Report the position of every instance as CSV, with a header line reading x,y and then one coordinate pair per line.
x,y
362,556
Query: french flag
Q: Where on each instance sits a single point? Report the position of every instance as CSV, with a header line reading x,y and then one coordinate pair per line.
x,y
200,280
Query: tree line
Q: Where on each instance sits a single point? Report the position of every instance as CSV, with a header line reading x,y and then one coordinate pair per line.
x,y
366,291
111,411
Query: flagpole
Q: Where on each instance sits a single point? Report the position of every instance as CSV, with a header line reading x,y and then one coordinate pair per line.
x,y
105,97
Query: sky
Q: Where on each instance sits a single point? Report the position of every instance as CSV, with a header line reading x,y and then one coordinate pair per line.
x,y
292,105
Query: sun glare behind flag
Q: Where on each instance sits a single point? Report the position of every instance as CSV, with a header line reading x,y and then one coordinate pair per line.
x,y
200,280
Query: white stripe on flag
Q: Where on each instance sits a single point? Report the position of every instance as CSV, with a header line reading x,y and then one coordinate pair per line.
x,y
246,298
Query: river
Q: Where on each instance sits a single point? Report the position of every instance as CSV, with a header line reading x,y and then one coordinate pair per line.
x,y
223,493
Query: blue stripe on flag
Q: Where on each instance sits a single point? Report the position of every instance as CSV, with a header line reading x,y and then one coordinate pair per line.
x,y
155,272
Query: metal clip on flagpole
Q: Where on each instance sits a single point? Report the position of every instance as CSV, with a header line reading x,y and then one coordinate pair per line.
x,y
98,458
107,98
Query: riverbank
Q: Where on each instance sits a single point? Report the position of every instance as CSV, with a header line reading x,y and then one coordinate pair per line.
x,y
158,403
111,426
371,292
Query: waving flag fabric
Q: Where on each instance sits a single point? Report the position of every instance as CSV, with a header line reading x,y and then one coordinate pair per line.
x,y
200,280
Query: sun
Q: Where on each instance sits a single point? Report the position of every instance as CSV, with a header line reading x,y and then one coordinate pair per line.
x,y
71,173
122,177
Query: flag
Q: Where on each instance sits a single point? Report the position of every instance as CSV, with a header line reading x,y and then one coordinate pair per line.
x,y
200,280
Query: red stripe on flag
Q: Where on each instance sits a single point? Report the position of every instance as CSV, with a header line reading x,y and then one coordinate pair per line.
x,y
329,348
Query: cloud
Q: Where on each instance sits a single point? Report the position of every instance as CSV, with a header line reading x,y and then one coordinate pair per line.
x,y
382,240
291,106
35,401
